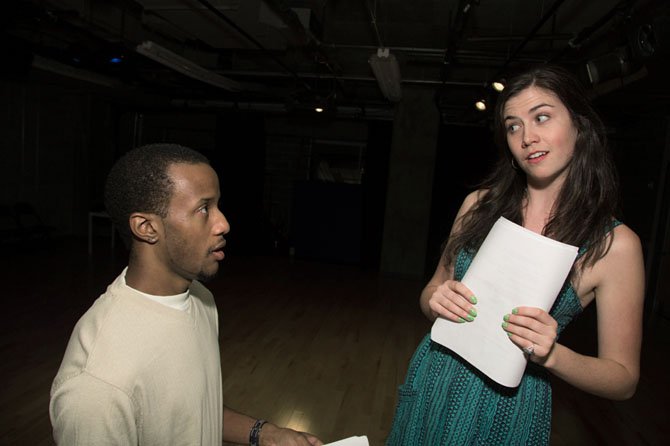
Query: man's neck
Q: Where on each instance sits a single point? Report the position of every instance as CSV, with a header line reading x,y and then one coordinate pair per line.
x,y
155,281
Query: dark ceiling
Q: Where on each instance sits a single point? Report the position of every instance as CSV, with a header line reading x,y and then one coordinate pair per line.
x,y
278,55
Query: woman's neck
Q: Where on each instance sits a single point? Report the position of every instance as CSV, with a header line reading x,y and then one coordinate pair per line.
x,y
538,206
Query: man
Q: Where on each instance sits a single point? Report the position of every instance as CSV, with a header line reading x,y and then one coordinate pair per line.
x,y
142,365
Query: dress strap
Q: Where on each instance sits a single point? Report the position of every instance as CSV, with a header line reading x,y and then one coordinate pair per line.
x,y
613,224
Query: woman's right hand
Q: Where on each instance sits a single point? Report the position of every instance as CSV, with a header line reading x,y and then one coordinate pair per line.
x,y
453,301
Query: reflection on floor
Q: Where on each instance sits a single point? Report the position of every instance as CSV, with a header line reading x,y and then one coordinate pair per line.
x,y
312,346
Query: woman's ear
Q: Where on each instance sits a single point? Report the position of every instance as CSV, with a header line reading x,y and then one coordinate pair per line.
x,y
145,226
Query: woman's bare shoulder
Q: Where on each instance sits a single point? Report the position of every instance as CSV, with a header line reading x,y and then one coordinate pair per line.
x,y
623,255
625,241
472,198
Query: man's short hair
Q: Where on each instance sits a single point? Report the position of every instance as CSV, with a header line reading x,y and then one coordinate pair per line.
x,y
139,182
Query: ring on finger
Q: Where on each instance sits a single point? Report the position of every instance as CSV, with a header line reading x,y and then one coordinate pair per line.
x,y
529,350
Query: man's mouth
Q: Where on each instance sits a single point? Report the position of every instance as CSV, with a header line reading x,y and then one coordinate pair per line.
x,y
217,251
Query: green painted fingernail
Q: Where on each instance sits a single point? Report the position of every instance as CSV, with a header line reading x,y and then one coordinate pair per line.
x,y
506,317
473,299
470,318
504,325
515,311
508,334
473,312
461,320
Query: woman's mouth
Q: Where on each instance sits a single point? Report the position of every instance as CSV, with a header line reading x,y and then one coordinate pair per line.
x,y
536,156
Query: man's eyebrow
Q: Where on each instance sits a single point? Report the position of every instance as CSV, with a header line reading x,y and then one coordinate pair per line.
x,y
205,200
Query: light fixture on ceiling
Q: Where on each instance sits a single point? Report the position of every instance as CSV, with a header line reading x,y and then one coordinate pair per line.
x,y
186,67
498,86
53,66
481,105
325,104
385,67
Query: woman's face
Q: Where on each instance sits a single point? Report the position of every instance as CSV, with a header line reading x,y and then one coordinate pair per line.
x,y
540,135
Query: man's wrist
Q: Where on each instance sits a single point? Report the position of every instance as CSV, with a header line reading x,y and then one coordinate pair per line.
x,y
255,432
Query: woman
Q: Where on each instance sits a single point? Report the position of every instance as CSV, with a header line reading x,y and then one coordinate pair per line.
x,y
556,178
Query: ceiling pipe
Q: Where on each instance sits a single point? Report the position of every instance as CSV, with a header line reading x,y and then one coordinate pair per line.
x,y
462,16
251,38
557,4
357,78
290,18
440,51
577,41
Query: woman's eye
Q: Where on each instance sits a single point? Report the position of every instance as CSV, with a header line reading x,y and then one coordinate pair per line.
x,y
512,128
542,118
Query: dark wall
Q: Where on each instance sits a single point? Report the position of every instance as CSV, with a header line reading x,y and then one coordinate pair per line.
x,y
58,142
60,139
239,157
464,156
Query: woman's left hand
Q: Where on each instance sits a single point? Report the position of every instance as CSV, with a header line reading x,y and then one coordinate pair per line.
x,y
533,330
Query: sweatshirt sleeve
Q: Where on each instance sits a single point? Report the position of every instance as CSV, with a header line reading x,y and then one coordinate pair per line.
x,y
87,411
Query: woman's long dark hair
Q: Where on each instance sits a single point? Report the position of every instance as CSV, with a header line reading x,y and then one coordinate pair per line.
x,y
588,199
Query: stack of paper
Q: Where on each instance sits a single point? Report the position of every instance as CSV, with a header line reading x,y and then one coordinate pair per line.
x,y
514,267
351,441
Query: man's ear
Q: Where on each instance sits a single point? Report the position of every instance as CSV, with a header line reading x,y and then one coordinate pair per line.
x,y
145,226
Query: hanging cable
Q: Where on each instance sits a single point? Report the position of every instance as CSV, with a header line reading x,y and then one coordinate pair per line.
x,y
373,21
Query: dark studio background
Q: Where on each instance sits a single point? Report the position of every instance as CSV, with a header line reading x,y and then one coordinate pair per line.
x,y
365,191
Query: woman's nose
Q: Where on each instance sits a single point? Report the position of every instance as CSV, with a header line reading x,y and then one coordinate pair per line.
x,y
529,137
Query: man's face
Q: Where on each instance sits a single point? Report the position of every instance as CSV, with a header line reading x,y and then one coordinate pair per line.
x,y
194,227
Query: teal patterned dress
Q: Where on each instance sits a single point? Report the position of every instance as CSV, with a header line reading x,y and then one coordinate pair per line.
x,y
445,401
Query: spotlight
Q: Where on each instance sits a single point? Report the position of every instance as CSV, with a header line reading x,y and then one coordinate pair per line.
x,y
498,86
613,65
116,59
318,109
480,105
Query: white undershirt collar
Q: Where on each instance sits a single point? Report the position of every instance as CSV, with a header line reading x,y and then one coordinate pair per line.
x,y
180,301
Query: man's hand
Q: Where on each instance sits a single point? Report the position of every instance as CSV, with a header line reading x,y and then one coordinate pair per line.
x,y
272,435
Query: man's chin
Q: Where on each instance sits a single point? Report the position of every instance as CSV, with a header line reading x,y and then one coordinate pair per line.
x,y
206,276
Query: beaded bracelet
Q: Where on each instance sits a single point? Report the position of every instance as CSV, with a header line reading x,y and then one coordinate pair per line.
x,y
255,432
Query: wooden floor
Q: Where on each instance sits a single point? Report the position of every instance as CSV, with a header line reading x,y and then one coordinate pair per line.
x,y
311,346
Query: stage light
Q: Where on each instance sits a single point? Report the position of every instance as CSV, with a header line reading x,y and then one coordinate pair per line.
x,y
498,86
480,105
612,65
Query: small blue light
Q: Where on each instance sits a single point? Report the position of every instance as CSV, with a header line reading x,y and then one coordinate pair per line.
x,y
115,59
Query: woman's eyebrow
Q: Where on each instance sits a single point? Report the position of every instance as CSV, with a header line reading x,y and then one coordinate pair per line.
x,y
532,109
544,104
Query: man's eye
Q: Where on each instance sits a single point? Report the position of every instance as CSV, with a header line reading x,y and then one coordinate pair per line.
x,y
203,210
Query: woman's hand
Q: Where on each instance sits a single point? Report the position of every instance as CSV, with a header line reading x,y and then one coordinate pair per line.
x,y
533,330
453,301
